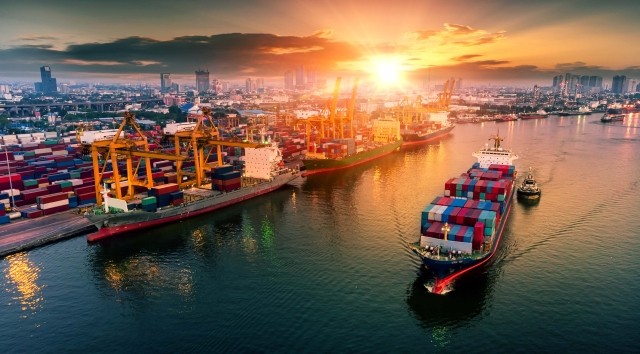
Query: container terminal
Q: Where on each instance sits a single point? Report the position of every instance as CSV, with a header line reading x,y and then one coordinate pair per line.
x,y
48,181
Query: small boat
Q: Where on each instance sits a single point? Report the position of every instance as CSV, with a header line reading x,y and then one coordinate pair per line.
x,y
611,117
529,188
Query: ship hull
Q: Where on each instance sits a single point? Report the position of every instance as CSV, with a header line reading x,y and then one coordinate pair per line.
x,y
314,166
110,225
528,195
533,116
613,118
413,139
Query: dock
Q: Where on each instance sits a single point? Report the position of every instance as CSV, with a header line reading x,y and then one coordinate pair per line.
x,y
27,234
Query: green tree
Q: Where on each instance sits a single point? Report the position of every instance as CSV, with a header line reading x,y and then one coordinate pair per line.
x,y
176,114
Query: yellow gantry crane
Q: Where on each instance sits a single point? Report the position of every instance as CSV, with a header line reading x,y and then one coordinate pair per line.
x,y
324,120
200,143
129,149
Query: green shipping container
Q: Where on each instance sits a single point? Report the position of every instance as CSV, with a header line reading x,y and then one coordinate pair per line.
x,y
149,201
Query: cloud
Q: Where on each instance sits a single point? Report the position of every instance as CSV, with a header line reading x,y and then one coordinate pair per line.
x,y
225,55
466,57
234,56
456,34
35,37
87,63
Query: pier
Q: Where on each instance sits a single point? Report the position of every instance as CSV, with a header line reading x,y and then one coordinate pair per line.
x,y
30,233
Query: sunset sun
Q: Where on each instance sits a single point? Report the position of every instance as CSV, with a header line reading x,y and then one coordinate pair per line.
x,y
386,70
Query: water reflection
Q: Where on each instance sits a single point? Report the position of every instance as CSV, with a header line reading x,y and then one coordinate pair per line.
x,y
162,259
440,313
22,282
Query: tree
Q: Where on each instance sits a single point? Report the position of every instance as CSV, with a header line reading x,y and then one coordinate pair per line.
x,y
175,114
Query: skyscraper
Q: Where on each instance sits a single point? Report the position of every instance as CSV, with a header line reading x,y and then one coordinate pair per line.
x,y
288,80
165,82
300,83
618,84
248,87
48,84
202,80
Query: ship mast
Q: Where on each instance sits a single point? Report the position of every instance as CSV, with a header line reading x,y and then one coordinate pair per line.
x,y
496,141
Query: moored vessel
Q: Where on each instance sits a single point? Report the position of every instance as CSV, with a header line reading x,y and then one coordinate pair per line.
x,y
612,116
537,115
421,133
263,172
345,153
461,229
529,189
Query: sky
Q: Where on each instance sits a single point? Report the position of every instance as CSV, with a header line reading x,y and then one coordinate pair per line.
x,y
499,42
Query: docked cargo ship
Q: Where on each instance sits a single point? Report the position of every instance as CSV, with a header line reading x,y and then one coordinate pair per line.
x,y
421,133
344,153
537,115
263,172
461,229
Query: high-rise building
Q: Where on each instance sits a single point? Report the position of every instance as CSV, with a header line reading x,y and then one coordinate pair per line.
x,y
288,80
618,84
165,82
248,87
311,78
48,84
300,83
216,86
202,80
557,81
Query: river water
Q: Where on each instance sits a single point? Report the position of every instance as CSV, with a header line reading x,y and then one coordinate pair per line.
x,y
322,265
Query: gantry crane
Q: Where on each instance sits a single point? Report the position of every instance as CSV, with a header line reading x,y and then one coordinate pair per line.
x,y
200,143
324,119
408,113
351,107
128,149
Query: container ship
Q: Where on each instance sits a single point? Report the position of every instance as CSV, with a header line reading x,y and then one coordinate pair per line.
x,y
339,154
537,115
263,172
461,229
422,133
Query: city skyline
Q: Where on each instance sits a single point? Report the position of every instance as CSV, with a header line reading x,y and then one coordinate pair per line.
x,y
499,42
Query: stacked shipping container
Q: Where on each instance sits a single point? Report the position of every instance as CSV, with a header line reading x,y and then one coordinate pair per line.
x,y
471,206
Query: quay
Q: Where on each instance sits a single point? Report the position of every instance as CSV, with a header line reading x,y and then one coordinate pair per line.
x,y
30,233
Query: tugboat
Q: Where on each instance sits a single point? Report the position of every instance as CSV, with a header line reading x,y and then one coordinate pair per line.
x,y
612,115
529,189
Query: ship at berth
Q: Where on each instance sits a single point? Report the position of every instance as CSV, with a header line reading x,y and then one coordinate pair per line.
x,y
340,154
420,133
263,173
462,228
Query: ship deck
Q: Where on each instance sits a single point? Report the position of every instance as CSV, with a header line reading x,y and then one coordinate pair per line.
x,y
444,256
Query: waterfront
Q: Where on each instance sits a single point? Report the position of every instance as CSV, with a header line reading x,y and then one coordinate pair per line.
x,y
323,265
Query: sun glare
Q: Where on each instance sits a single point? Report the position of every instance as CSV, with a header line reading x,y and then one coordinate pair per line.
x,y
386,70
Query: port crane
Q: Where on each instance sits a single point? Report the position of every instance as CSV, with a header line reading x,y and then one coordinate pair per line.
x,y
408,112
135,152
200,144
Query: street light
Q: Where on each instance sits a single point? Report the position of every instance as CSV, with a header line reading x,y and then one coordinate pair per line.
x,y
6,154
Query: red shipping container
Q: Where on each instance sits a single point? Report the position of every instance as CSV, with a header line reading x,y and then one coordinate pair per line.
x,y
55,210
52,198
478,235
